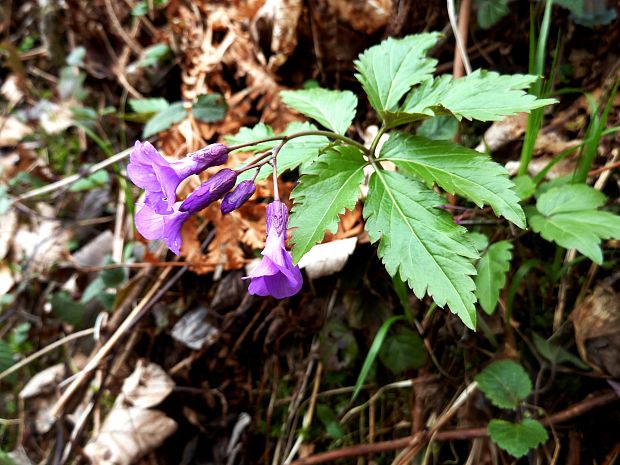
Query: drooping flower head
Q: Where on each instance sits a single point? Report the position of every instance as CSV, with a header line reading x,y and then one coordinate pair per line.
x,y
217,185
276,275
154,226
167,227
148,170
238,197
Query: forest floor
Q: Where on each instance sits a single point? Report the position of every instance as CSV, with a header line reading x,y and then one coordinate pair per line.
x,y
114,350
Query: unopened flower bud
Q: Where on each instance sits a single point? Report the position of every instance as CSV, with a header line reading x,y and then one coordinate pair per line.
x,y
218,185
238,197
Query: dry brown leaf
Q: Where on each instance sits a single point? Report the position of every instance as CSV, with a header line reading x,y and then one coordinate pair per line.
x,y
597,329
43,243
8,225
147,386
44,382
366,16
12,131
276,23
127,434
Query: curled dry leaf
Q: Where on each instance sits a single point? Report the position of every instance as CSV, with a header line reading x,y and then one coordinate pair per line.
x,y
127,434
278,19
41,394
597,329
94,252
329,258
363,16
193,330
147,386
8,225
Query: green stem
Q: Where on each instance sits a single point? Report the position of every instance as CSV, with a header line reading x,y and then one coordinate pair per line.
x,y
375,142
286,138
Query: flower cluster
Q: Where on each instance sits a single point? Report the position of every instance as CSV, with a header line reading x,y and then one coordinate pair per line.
x,y
161,217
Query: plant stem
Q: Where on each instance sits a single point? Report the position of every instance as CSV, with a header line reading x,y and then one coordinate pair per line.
x,y
274,164
285,138
375,142
259,161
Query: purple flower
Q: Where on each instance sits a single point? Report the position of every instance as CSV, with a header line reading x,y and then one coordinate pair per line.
x,y
276,275
154,226
148,170
238,197
217,185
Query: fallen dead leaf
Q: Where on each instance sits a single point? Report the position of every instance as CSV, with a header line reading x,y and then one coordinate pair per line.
x,y
327,259
8,225
44,382
363,16
12,131
597,328
6,279
193,330
147,386
127,434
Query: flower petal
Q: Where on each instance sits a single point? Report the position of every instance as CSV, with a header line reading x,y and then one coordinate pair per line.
x,y
149,223
169,181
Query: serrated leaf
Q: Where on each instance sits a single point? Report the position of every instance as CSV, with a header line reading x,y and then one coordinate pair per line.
x,y
505,383
525,187
421,243
325,190
490,12
334,109
210,108
517,438
491,277
295,152
164,119
566,215
404,350
482,95
388,70
442,127
480,241
245,135
457,170
148,105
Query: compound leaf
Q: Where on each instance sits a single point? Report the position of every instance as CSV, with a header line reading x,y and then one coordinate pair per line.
x,y
457,170
334,109
567,215
491,277
483,95
325,190
388,70
421,243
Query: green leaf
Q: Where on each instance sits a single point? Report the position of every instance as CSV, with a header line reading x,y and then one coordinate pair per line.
x,y
483,95
148,105
421,242
67,309
491,277
555,353
210,108
325,190
294,153
97,179
334,109
6,459
388,70
439,128
330,421
245,135
525,187
404,350
517,438
480,241
112,277
94,289
505,383
6,356
457,170
567,215
490,12
164,119
154,55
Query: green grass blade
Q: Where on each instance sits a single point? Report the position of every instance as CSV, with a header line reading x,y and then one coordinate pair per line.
x,y
373,352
